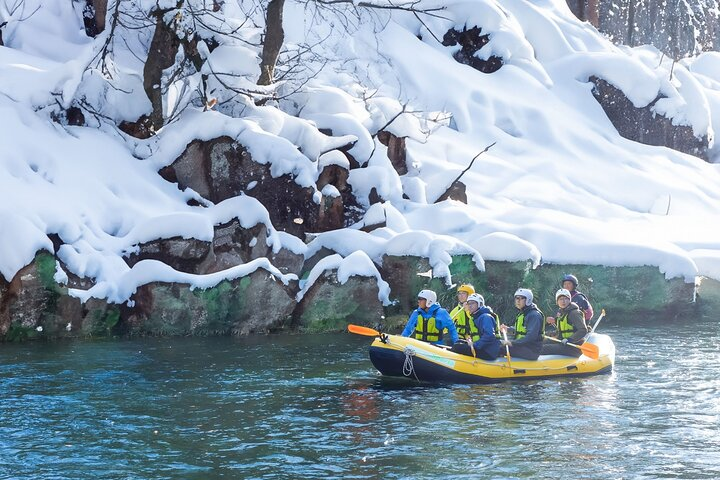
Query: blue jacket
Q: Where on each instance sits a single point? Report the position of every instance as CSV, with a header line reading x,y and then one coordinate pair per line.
x,y
442,321
485,323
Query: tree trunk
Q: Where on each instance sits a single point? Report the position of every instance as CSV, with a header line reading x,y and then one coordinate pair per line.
x,y
274,38
592,13
94,14
163,49
100,13
631,24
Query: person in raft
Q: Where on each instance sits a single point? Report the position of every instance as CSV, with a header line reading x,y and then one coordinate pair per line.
x,y
570,283
429,320
463,320
570,324
528,330
485,322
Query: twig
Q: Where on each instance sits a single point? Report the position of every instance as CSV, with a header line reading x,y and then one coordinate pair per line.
x,y
466,169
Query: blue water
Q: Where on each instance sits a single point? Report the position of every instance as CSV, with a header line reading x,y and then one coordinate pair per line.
x,y
313,407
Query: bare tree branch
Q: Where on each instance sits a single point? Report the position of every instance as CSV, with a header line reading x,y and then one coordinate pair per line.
x,y
464,171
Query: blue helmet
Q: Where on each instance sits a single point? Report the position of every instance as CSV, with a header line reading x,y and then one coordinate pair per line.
x,y
570,278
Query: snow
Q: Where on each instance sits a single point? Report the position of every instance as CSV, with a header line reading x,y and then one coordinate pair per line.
x,y
559,186
355,264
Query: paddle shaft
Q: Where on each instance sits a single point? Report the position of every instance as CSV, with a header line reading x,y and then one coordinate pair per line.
x,y
589,349
592,330
507,348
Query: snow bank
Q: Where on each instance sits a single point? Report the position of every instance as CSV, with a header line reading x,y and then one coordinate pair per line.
x,y
355,264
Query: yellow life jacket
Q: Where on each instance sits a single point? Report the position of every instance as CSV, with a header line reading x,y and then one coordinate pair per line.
x,y
464,324
520,330
564,328
426,330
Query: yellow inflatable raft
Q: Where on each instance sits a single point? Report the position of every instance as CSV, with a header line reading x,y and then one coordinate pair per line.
x,y
406,357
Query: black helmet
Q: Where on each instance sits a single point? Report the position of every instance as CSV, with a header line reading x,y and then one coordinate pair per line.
x,y
570,278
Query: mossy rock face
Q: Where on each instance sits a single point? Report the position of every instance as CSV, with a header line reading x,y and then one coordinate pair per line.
x,y
408,275
256,303
708,295
622,291
29,303
503,278
329,306
33,306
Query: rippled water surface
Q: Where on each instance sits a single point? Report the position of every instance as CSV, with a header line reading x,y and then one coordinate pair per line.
x,y
314,407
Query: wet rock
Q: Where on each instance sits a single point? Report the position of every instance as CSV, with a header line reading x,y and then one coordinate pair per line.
x,y
470,42
255,303
329,306
643,125
221,168
34,306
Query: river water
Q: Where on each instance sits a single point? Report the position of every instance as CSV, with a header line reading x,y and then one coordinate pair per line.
x,y
313,407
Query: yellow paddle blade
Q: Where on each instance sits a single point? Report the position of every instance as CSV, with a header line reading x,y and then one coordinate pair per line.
x,y
368,332
590,350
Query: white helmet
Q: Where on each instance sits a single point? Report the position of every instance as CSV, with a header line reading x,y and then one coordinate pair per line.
x,y
477,298
563,292
428,295
525,292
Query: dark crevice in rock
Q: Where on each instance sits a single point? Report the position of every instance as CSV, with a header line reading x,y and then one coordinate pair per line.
x,y
182,254
471,41
72,116
643,125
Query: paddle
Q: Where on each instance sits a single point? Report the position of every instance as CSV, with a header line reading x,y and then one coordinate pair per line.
x,y
602,314
371,332
507,347
368,332
589,349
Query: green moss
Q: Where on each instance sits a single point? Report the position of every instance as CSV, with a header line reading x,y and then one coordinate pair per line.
x,y
328,314
224,304
45,264
171,313
102,321
17,333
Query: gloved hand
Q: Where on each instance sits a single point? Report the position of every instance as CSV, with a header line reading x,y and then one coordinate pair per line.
x,y
564,341
505,342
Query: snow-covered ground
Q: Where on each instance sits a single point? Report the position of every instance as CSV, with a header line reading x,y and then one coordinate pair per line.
x,y
559,186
